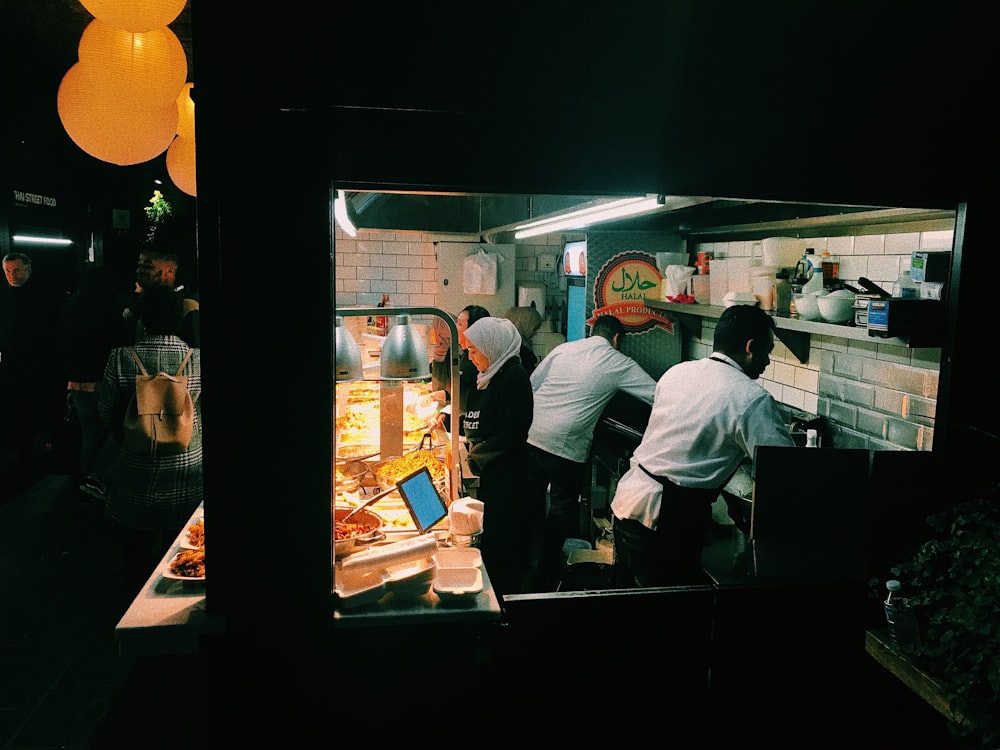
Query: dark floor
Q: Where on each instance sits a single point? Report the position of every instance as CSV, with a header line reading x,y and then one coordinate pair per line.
x,y
63,589
64,685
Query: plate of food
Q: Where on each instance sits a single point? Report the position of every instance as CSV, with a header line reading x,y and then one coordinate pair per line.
x,y
187,565
194,535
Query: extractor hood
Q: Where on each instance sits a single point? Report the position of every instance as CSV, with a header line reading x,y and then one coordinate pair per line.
x,y
492,217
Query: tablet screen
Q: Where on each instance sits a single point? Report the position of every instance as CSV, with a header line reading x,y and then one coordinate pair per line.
x,y
422,499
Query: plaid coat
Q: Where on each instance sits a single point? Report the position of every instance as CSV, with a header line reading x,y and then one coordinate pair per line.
x,y
157,493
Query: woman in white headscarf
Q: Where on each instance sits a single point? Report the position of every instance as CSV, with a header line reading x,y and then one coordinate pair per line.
x,y
496,422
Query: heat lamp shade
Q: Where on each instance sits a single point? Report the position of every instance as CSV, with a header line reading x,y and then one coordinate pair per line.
x,y
346,353
404,353
135,15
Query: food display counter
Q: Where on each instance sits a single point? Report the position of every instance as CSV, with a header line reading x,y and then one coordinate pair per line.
x,y
168,615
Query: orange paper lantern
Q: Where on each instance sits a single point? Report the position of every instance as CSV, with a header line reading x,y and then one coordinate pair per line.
x,y
135,15
148,67
181,164
109,127
185,112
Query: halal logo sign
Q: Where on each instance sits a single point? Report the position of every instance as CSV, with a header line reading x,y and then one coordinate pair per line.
x,y
621,287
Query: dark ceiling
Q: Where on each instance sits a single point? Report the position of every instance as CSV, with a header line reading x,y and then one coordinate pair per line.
x,y
39,38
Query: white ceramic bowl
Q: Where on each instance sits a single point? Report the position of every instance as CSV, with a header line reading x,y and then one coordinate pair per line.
x,y
836,307
807,306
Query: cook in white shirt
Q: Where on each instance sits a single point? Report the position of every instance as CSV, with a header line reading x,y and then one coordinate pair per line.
x,y
571,386
708,416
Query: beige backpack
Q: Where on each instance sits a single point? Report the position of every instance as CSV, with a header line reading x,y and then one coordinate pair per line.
x,y
159,419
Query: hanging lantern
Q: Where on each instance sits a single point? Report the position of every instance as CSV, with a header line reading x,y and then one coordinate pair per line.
x,y
185,112
109,127
148,67
181,164
135,15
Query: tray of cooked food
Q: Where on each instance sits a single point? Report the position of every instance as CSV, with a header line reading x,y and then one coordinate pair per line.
x,y
390,471
363,528
194,535
349,475
187,565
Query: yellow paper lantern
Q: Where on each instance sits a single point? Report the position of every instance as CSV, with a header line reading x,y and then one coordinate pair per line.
x,y
181,164
148,67
111,128
135,15
185,112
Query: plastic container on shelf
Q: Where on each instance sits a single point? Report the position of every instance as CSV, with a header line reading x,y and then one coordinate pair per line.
x,y
831,268
905,287
782,293
902,625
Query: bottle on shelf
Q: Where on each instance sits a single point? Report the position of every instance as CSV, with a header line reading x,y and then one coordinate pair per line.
x,y
814,276
905,287
831,269
782,293
902,625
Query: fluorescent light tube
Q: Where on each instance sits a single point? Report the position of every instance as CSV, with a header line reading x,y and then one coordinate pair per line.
x,y
29,239
340,214
591,215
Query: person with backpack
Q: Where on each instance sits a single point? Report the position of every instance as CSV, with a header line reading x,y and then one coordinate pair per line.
x,y
154,488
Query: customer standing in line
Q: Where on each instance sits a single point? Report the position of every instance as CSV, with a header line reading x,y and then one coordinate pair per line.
x,y
33,396
91,326
152,497
708,416
571,386
160,267
496,422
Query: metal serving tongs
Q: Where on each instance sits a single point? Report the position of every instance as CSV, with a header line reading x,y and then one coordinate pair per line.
x,y
370,501
354,458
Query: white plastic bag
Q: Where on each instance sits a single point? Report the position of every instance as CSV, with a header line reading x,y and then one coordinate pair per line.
x,y
479,273
676,279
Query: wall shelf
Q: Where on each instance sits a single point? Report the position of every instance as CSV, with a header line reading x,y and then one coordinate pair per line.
x,y
793,332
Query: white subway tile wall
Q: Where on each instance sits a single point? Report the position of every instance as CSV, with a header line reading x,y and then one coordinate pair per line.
x,y
875,395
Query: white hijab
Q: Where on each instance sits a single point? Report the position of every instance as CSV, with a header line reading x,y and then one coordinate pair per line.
x,y
498,340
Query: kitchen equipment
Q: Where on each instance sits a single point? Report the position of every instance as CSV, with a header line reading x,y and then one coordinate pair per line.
x,y
531,294
783,252
836,307
739,298
920,320
370,501
861,307
365,528
873,288
348,475
807,305
929,266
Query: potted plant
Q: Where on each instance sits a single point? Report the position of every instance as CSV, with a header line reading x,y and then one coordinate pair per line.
x,y
953,586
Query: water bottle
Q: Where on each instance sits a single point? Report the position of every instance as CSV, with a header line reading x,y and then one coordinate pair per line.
x,y
902,625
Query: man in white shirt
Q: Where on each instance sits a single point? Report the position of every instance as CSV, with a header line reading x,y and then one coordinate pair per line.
x,y
571,386
708,415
